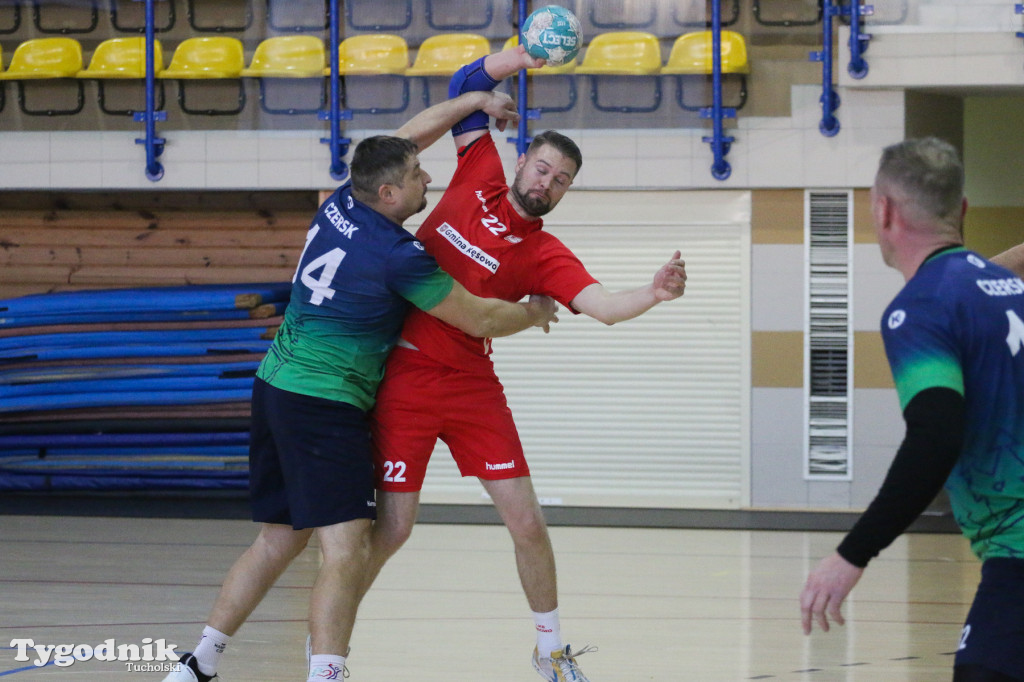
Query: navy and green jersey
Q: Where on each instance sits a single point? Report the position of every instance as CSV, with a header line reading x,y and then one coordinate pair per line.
x,y
959,324
357,276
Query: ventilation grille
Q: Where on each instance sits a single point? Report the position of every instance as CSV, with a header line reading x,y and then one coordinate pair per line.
x,y
828,347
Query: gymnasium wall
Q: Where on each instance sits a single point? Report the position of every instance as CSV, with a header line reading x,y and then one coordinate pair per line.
x,y
76,210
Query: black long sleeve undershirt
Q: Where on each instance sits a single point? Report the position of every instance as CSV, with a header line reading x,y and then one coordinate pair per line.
x,y
935,433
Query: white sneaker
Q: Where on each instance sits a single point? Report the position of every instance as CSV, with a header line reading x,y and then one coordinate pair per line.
x,y
187,670
561,666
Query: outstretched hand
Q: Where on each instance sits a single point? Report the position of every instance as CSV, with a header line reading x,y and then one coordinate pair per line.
x,y
670,279
502,109
526,61
826,588
544,309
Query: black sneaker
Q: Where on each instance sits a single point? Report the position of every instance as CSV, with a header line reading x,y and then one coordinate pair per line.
x,y
187,670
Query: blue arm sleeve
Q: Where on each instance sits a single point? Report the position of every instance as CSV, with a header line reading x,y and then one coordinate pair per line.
x,y
467,79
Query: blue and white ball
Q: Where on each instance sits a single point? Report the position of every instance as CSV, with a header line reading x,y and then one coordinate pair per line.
x,y
552,33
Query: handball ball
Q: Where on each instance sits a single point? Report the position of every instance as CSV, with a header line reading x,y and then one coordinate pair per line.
x,y
552,33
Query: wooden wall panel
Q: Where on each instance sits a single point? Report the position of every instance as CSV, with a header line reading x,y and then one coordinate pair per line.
x,y
66,249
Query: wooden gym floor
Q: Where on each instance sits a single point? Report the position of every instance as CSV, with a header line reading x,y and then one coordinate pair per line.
x,y
661,604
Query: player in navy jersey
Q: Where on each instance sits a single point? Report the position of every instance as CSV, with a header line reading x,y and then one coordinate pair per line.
x,y
954,337
311,467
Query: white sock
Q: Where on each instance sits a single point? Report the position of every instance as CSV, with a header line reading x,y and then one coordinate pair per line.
x,y
211,646
324,661
549,632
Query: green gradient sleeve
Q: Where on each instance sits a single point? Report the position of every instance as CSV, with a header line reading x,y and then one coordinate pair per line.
x,y
916,374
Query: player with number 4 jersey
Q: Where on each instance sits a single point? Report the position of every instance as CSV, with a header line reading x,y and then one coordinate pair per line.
x,y
339,326
310,461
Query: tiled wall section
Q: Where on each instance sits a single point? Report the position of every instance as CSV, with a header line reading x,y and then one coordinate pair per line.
x,y
920,59
767,152
777,343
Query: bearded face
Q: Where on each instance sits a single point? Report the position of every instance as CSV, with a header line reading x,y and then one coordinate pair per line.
x,y
542,179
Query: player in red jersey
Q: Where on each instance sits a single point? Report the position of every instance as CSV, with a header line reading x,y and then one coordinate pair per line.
x,y
440,382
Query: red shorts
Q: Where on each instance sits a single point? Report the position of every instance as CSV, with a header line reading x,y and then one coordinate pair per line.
x,y
421,400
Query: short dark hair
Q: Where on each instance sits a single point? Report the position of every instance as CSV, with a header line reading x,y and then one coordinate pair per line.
x,y
929,170
563,144
380,160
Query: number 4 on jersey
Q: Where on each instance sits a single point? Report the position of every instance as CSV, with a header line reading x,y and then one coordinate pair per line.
x,y
327,263
1016,336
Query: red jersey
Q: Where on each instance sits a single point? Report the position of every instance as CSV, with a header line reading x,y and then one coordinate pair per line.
x,y
478,238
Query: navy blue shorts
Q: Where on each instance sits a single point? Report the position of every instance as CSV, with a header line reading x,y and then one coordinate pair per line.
x,y
310,463
993,635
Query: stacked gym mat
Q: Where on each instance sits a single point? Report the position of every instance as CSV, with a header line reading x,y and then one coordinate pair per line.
x,y
128,389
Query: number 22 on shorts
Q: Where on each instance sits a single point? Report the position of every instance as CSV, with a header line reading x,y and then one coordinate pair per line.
x,y
394,472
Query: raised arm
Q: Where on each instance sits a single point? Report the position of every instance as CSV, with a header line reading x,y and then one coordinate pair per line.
x,y
493,317
427,127
482,76
616,306
1011,259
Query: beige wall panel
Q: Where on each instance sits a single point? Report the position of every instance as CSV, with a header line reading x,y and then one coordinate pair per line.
x,y
777,359
777,216
870,366
863,225
990,230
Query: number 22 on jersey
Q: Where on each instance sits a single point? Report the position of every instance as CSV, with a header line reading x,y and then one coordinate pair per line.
x,y
327,264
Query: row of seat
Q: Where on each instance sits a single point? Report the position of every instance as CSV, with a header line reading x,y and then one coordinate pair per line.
x,y
624,53
222,57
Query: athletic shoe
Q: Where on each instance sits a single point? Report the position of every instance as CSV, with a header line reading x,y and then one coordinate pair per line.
x,y
562,665
187,670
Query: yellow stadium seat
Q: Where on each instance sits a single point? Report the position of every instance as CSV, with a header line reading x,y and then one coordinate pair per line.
x,y
693,55
444,54
215,57
373,54
623,53
122,59
44,59
382,55
288,57
207,58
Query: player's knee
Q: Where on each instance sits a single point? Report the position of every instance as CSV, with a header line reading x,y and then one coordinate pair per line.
x,y
389,534
528,526
280,544
354,551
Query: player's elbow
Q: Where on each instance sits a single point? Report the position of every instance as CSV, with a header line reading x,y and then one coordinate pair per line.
x,y
605,317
